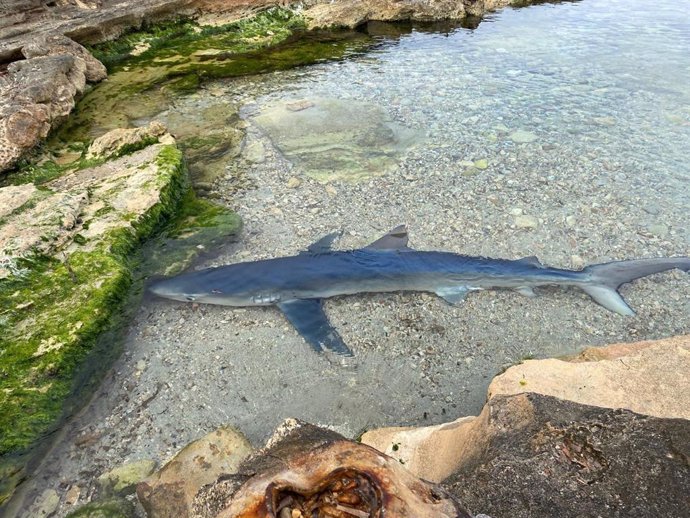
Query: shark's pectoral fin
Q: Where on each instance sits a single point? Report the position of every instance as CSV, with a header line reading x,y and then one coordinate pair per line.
x,y
395,239
311,322
455,295
323,245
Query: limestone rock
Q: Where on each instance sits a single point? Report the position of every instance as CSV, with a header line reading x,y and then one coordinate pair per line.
x,y
539,457
430,452
35,95
123,479
14,196
309,471
351,13
170,491
57,44
117,139
647,377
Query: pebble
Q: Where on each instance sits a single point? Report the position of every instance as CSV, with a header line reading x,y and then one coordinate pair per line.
x,y
481,164
293,182
577,261
522,137
526,221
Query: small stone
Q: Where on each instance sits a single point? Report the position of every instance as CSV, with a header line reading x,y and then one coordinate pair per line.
x,y
123,479
577,261
293,182
255,153
522,137
526,221
471,171
516,211
72,495
331,190
297,106
141,365
481,164
570,221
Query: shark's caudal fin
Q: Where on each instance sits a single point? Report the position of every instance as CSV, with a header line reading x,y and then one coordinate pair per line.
x,y
607,277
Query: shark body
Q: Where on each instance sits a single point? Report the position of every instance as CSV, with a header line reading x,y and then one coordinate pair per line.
x,y
297,284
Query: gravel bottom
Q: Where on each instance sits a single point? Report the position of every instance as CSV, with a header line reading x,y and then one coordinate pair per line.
x,y
189,368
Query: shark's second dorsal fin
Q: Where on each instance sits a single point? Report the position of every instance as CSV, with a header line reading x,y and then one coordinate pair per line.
x,y
532,260
325,244
395,239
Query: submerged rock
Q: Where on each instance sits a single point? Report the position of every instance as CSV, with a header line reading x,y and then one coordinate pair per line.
x,y
337,139
306,471
123,479
169,492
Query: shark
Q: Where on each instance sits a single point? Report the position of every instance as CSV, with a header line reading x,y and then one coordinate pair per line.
x,y
298,284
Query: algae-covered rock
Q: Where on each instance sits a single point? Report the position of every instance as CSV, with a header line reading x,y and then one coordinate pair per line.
x,y
65,274
120,141
123,479
109,508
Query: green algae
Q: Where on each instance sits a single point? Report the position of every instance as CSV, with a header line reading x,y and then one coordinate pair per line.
x,y
52,318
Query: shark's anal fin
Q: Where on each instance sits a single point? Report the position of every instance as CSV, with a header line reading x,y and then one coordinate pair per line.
x,y
312,323
395,239
323,245
454,295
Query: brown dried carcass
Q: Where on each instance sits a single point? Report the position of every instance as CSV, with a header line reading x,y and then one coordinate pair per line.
x,y
309,472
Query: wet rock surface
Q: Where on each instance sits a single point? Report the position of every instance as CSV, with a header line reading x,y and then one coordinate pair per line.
x,y
543,457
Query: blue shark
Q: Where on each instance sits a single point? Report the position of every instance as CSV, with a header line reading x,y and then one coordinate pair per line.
x,y
298,284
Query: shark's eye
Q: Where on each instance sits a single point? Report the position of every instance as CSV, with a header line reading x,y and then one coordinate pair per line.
x,y
190,298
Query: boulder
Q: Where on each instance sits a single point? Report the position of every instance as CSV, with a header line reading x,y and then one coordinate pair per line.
x,y
538,456
310,471
36,95
56,45
169,492
647,377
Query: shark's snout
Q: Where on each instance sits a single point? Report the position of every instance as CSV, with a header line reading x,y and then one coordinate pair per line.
x,y
170,289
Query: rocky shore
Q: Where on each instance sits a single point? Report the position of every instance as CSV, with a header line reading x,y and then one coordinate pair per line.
x,y
593,434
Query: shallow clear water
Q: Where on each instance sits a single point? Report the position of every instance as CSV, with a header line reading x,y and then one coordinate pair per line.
x,y
606,80
573,115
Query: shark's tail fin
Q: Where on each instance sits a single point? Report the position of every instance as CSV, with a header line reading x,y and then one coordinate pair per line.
x,y
607,277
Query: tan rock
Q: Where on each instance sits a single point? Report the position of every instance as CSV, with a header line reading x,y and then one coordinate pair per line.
x,y
117,139
648,377
431,452
170,491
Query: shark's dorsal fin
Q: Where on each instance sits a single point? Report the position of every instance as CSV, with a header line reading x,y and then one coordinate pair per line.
x,y
325,244
532,260
395,239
